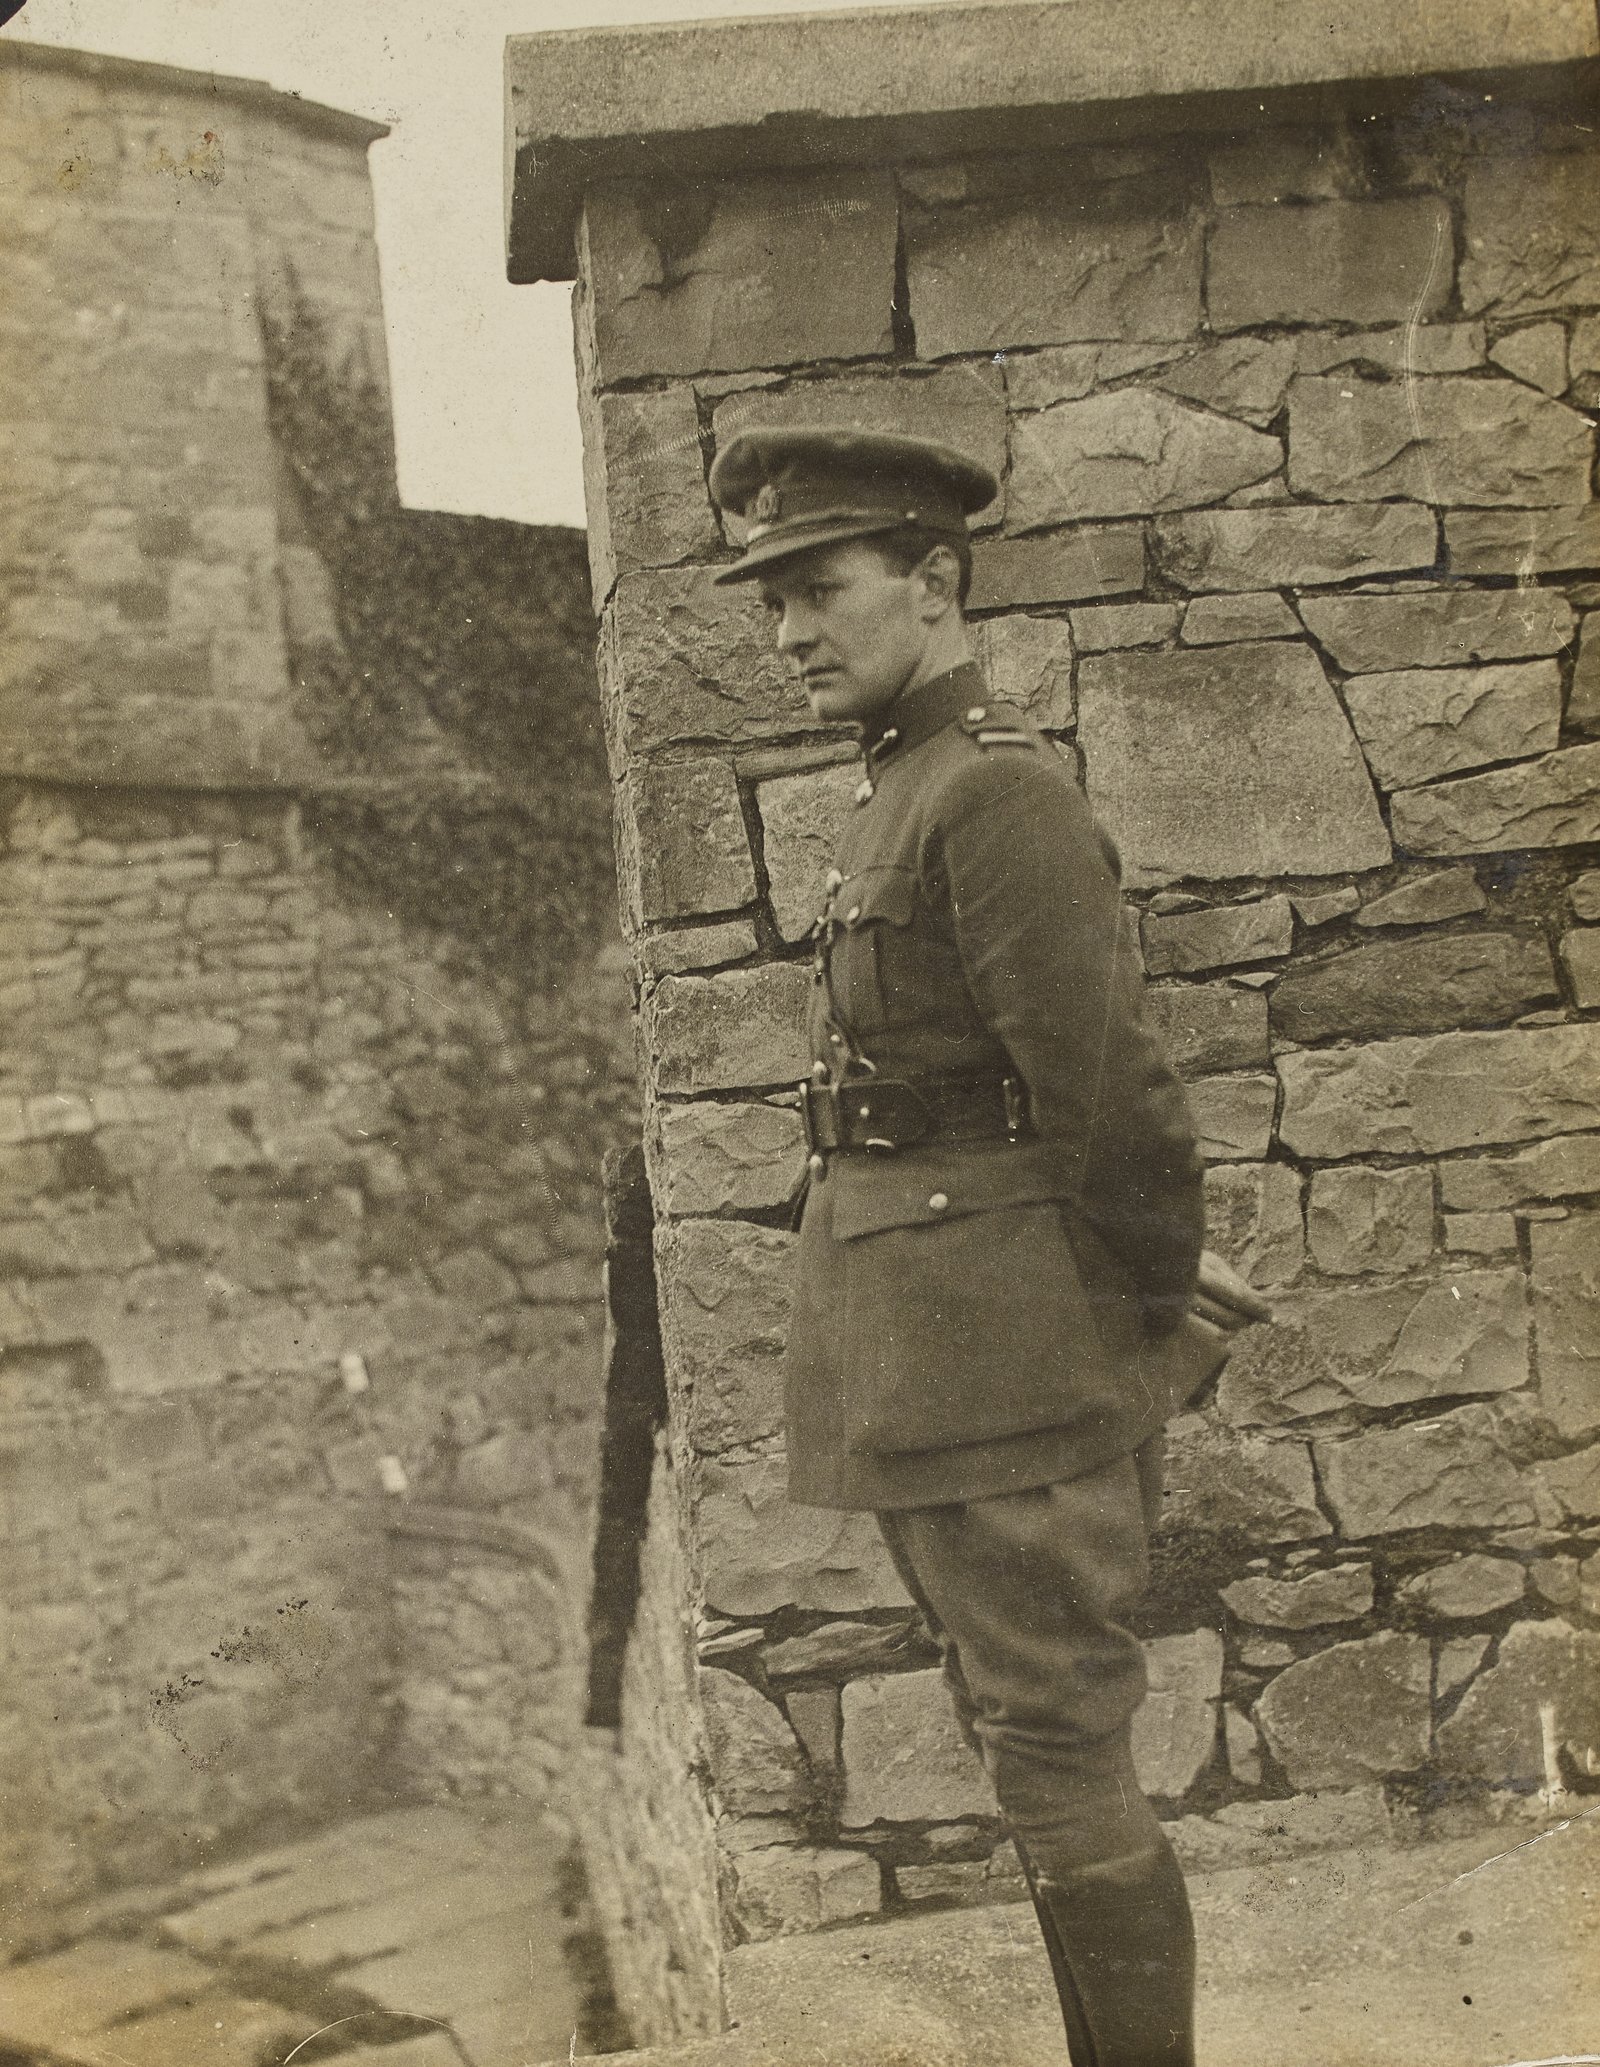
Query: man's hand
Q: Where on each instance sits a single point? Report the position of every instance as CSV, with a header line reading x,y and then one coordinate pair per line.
x,y
1223,1298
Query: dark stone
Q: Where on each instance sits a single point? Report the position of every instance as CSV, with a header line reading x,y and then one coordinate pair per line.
x,y
1413,986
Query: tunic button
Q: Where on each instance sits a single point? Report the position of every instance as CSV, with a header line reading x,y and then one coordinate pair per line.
x,y
865,791
837,1040
819,1072
833,881
977,714
890,736
816,1164
852,915
940,1202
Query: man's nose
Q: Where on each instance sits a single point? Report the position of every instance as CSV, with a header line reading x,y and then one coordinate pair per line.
x,y
795,634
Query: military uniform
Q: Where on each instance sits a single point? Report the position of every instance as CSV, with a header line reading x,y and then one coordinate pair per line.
x,y
1001,1226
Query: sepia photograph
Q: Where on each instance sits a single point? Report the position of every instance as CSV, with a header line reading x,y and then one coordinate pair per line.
x,y
799,1033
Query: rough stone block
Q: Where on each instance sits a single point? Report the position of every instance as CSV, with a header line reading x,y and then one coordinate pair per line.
x,y
963,407
1449,1473
1242,376
1496,1734
1583,693
1424,1096
1353,1712
1380,1346
1438,721
750,272
716,1158
1226,761
1566,1307
1439,627
1220,1482
684,849
1337,262
1207,1027
730,1032
647,498
1178,943
680,949
1068,567
1368,1219
1574,1482
1532,237
757,1766
1109,625
725,1296
1536,354
1233,1116
1566,1167
1064,373
758,1552
1049,269
1321,908
1480,1234
1128,453
1551,802
1583,893
1524,543
1254,1220
1458,1659
1443,893
1341,1593
1242,1745
1175,1728
1580,957
800,820
787,1888
685,663
1028,662
1229,620
841,1650
1425,348
905,1760
1465,1588
1413,987
1300,547
1440,440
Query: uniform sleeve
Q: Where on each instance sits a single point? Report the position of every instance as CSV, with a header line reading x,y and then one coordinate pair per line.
x,y
1039,924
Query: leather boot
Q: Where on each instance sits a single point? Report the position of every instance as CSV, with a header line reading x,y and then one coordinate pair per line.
x,y
1120,1940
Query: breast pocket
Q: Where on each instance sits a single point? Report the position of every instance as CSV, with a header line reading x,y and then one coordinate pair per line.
x,y
873,953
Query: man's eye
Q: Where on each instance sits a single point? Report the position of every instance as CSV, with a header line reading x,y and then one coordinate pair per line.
x,y
817,594
772,606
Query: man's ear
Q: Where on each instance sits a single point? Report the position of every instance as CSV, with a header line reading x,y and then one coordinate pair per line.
x,y
940,574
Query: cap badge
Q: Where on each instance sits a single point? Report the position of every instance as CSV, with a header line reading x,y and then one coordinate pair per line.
x,y
768,505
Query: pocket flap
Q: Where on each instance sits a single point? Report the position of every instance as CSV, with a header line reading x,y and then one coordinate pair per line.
x,y
922,1187
889,894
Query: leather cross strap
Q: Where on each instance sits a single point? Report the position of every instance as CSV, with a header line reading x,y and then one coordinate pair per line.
x,y
882,1114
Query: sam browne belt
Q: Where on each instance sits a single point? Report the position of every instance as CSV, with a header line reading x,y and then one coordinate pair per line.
x,y
882,1114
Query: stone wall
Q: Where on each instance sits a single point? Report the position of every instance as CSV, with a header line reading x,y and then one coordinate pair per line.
x,y
301,1112
1297,557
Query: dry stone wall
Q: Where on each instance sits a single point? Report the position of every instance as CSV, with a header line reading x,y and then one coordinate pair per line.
x,y
1297,557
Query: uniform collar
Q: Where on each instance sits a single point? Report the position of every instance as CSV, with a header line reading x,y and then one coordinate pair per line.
x,y
919,713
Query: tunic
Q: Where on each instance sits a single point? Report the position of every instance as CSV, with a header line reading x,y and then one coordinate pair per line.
x,y
974,1316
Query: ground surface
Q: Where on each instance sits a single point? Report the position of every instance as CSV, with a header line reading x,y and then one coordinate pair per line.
x,y
433,1938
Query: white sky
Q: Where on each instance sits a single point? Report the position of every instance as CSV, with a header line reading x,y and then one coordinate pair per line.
x,y
485,409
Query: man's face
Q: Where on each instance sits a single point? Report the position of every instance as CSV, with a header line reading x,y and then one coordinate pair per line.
x,y
852,629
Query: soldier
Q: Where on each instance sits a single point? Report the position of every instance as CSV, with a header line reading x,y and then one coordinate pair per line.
x,y
1000,1256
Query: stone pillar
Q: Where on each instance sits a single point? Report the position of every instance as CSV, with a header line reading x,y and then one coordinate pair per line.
x,y
1297,552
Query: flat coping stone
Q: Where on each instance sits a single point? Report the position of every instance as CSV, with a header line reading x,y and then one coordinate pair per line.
x,y
876,86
